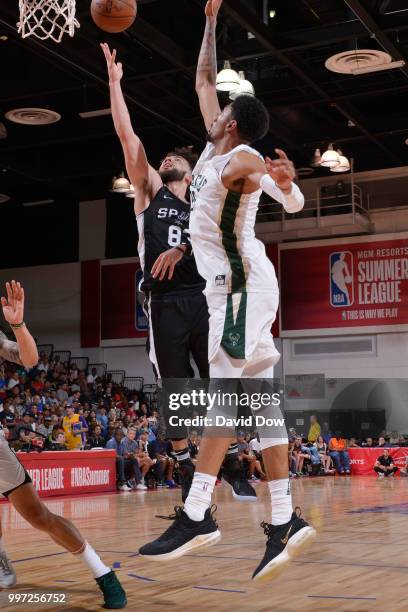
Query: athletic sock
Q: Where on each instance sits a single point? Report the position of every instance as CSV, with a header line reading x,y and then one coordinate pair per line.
x,y
181,455
93,561
281,500
233,449
199,497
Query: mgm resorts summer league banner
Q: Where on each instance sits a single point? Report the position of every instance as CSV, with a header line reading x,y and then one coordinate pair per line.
x,y
353,284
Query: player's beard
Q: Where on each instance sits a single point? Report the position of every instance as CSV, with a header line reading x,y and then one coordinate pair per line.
x,y
172,176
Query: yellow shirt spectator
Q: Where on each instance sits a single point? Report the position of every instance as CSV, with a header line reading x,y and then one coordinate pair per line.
x,y
315,430
73,439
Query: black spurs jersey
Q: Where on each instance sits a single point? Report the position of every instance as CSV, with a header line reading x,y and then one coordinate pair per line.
x,y
161,227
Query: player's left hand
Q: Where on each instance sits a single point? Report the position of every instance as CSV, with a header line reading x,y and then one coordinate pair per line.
x,y
13,305
165,264
281,170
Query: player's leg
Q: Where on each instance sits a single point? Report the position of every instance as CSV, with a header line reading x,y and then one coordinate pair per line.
x,y
7,574
27,503
287,532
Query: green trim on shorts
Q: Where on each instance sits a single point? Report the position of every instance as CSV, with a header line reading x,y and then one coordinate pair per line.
x,y
233,337
229,241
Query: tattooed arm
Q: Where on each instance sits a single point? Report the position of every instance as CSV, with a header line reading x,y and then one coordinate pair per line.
x,y
207,66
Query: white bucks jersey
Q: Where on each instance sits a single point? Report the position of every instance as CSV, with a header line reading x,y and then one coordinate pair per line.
x,y
222,226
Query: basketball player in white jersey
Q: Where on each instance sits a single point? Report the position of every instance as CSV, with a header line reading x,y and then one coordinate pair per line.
x,y
16,485
242,296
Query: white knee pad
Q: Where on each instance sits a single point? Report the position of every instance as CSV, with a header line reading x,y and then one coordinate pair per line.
x,y
269,442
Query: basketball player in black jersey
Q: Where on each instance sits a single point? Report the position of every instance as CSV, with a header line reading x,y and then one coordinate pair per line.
x,y
177,308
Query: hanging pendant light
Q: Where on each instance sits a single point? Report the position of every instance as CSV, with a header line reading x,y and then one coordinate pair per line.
x,y
343,165
245,88
330,158
120,184
227,79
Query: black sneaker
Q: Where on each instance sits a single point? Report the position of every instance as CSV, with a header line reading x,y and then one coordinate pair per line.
x,y
183,536
113,594
186,471
284,542
234,476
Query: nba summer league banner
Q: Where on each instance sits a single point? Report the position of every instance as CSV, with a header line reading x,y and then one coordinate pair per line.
x,y
350,283
303,406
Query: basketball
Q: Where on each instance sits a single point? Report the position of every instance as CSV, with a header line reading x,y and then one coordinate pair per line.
x,y
113,16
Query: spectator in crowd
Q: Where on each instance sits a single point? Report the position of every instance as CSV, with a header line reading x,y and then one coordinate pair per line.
x,y
91,378
58,444
314,430
255,447
384,466
325,459
382,443
299,455
369,443
160,449
128,448
102,418
114,443
291,457
353,443
97,440
13,381
62,393
146,463
326,433
394,438
193,446
248,458
339,453
402,441
72,427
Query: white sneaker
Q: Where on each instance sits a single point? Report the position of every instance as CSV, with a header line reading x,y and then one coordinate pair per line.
x,y
125,487
141,487
7,574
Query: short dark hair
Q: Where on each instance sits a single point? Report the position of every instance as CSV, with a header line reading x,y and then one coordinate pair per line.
x,y
186,153
252,117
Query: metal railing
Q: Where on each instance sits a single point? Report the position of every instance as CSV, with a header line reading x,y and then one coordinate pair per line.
x,y
351,203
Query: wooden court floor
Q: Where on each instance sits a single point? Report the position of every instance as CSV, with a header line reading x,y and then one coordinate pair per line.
x,y
358,563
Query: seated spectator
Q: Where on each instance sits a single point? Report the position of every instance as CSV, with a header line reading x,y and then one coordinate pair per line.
x,y
394,438
353,443
13,381
91,378
58,444
321,448
144,459
299,455
402,441
97,440
384,466
249,459
114,443
368,443
382,443
128,448
326,433
255,447
338,452
291,457
315,429
193,446
160,449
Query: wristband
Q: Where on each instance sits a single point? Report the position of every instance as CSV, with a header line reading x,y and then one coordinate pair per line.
x,y
292,202
17,325
180,249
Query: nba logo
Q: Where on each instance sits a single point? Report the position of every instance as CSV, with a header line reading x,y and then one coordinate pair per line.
x,y
341,279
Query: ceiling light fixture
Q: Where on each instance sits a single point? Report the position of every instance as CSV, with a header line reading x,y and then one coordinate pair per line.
x,y
330,158
343,165
378,68
245,88
272,13
120,184
227,79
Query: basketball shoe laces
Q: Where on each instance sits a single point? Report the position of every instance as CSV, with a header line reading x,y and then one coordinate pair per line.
x,y
178,515
271,530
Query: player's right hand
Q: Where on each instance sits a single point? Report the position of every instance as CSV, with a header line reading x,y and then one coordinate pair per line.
x,y
115,70
164,265
212,7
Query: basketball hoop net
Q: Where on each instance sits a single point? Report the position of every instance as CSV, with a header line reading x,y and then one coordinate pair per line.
x,y
47,19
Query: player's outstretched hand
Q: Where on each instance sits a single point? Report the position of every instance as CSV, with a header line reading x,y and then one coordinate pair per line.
x,y
212,7
115,70
13,305
281,170
165,264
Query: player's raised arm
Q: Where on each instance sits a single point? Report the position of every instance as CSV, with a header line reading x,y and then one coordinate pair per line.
x,y
206,75
247,173
24,351
144,178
